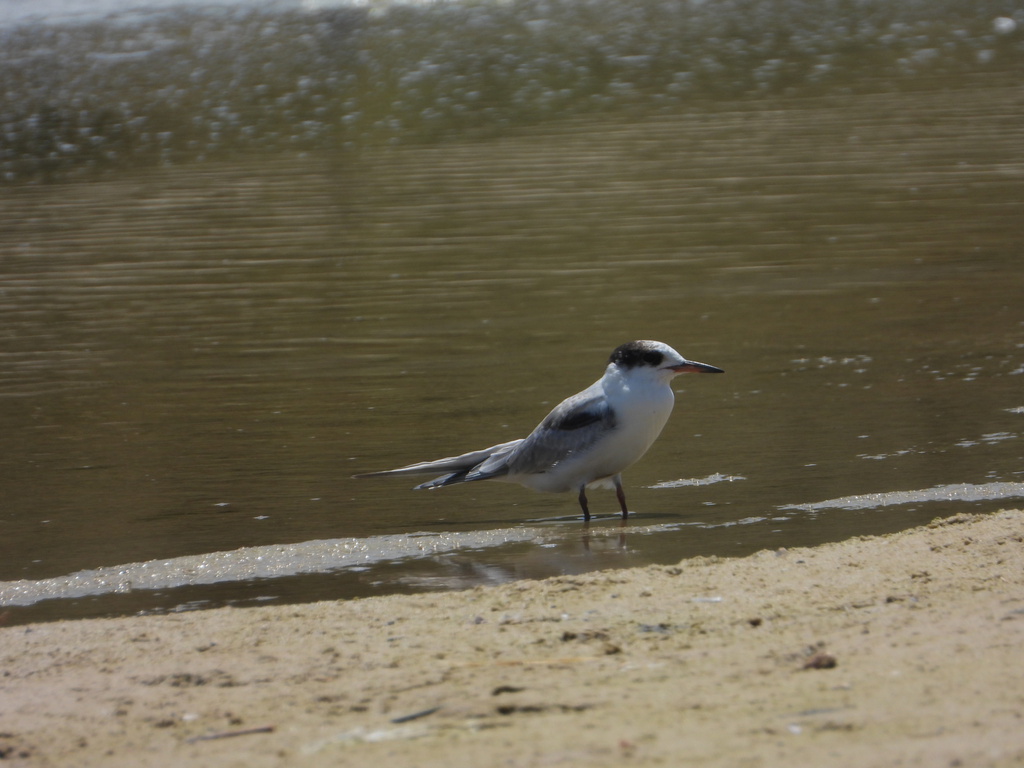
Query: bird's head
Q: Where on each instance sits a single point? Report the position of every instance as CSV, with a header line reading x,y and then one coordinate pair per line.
x,y
657,358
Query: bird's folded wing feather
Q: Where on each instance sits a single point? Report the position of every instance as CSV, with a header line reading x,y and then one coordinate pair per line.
x,y
569,430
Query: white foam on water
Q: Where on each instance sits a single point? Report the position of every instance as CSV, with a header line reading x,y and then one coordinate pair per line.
x,y
247,563
956,492
717,477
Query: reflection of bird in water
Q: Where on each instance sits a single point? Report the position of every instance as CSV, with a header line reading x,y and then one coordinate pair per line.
x,y
589,438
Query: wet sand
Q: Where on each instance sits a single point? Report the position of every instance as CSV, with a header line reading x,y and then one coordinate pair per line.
x,y
897,650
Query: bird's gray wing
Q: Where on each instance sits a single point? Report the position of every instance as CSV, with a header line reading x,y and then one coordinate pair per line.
x,y
570,429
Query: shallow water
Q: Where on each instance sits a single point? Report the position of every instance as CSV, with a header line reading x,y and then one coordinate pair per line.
x,y
194,360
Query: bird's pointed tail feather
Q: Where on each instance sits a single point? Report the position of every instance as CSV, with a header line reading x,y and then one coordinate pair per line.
x,y
457,466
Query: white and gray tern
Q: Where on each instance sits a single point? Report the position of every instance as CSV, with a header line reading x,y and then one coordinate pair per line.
x,y
589,438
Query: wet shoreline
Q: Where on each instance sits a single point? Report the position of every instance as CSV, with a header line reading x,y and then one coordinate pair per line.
x,y
842,654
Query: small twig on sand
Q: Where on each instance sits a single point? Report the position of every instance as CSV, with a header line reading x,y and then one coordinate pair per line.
x,y
414,715
231,734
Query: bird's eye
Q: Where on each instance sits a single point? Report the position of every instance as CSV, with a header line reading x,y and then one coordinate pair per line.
x,y
653,358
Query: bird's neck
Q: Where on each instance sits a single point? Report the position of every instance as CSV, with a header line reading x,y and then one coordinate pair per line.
x,y
641,394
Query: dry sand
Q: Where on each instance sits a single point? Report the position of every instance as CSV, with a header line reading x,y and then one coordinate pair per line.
x,y
898,650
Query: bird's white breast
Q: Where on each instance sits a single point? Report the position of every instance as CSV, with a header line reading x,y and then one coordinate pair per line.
x,y
642,407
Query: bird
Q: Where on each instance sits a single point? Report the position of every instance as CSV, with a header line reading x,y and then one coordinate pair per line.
x,y
588,439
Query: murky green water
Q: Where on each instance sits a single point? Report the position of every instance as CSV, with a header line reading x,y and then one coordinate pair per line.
x,y
196,359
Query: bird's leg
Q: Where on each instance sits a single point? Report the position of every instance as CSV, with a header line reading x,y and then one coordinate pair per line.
x,y
583,503
621,494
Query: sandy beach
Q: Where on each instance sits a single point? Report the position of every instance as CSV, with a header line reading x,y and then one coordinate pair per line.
x,y
897,650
